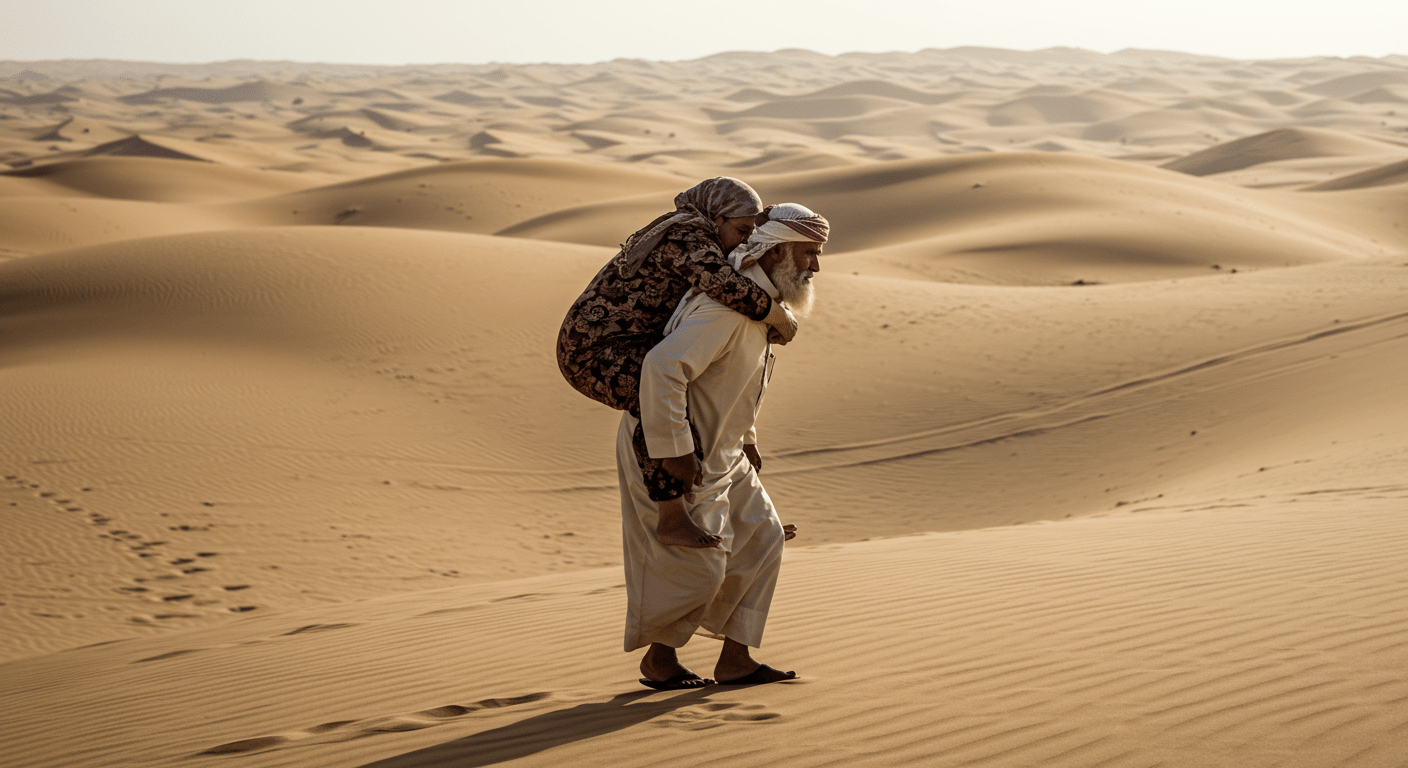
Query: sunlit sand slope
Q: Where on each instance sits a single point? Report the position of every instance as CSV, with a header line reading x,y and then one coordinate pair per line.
x,y
1254,630
253,394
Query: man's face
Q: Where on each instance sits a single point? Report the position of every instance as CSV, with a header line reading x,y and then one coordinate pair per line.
x,y
790,266
733,231
804,256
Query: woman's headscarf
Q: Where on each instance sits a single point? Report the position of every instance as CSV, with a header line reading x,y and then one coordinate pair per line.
x,y
701,204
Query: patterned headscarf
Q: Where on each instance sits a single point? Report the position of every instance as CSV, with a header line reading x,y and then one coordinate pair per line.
x,y
787,223
701,204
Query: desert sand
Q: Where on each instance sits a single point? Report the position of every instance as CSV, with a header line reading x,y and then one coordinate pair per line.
x,y
1097,439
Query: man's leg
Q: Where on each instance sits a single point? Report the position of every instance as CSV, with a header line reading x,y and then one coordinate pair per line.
x,y
667,588
740,609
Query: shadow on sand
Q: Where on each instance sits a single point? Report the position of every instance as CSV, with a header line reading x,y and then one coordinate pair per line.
x,y
543,732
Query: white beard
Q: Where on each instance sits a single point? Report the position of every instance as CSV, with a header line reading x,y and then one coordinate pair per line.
x,y
795,286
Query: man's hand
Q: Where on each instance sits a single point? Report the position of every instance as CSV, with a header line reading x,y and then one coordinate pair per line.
x,y
685,469
789,532
751,451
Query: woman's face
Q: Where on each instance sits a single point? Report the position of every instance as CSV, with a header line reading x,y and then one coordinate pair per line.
x,y
733,231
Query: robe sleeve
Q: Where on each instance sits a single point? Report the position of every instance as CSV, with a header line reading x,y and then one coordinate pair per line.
x,y
703,265
703,336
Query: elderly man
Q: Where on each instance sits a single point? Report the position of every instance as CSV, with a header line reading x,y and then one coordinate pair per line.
x,y
711,370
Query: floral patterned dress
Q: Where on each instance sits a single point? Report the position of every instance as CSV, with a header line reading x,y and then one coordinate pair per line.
x,y
618,319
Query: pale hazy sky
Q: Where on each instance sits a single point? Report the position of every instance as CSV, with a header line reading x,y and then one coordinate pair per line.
x,y
475,31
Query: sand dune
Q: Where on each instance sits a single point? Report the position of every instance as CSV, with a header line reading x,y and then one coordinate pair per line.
x,y
1393,173
1090,107
1280,144
128,178
259,90
1095,438
1348,85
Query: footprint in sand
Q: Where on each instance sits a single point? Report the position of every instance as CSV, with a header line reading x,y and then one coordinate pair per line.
x,y
460,609
161,657
346,730
316,628
517,597
713,714
246,745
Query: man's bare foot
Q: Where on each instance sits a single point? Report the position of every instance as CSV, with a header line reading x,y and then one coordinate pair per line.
x,y
675,529
661,664
737,667
760,676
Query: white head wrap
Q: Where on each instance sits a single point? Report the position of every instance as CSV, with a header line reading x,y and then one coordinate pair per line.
x,y
787,223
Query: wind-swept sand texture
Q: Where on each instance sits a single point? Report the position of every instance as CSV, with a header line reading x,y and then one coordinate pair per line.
x,y
1095,440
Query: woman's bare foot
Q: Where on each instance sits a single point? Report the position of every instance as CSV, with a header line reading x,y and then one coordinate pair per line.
x,y
737,667
675,529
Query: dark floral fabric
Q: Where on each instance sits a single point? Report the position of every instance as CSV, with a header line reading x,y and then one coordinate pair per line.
x,y
659,483
617,320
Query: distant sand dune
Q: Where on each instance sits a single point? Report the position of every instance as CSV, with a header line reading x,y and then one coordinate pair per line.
x,y
260,90
1393,173
136,146
1348,85
1088,107
1280,144
816,108
137,178
1383,95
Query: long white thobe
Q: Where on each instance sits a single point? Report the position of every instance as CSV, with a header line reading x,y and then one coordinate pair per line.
x,y
714,367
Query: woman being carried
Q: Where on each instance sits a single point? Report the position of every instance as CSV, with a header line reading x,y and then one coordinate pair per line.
x,y
622,314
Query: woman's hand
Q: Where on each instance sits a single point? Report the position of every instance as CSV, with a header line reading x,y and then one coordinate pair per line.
x,y
685,469
783,324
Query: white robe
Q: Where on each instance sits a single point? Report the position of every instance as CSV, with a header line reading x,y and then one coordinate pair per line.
x,y
714,364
